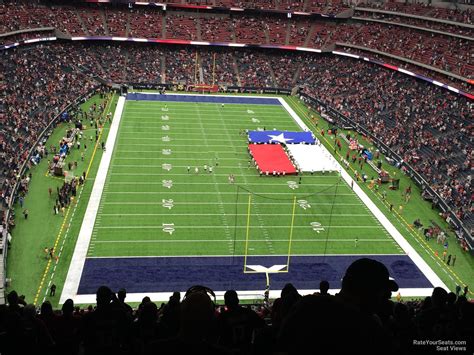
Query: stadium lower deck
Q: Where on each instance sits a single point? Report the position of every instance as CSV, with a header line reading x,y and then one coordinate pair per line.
x,y
155,225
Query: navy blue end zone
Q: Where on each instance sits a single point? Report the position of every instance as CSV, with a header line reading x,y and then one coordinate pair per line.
x,y
168,274
204,99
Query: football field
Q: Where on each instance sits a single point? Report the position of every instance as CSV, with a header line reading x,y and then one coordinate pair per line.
x,y
167,213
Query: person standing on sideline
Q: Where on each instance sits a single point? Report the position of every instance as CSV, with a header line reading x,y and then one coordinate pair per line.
x,y
466,290
458,290
444,255
50,191
449,260
52,290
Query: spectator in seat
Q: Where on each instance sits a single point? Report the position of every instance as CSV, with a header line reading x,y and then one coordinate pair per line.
x,y
106,330
236,324
282,305
367,286
329,325
196,332
67,330
145,328
323,288
121,295
169,322
35,338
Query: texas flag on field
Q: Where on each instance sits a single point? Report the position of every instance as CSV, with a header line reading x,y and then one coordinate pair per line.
x,y
282,137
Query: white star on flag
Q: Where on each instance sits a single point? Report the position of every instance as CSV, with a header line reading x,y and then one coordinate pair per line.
x,y
280,138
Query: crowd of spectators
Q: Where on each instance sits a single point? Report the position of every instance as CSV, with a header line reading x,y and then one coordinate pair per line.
x,y
430,129
424,9
181,27
452,81
362,314
445,52
145,24
36,85
440,26
216,29
219,68
255,70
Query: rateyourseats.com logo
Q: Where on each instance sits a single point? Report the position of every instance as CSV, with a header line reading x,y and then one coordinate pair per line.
x,y
443,345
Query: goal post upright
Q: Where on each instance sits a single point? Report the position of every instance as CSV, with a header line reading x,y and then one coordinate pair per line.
x,y
247,233
291,234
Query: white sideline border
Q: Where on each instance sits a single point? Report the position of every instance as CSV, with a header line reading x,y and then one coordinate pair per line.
x,y
76,267
243,295
396,235
71,285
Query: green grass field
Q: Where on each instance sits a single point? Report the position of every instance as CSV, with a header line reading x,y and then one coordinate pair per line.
x,y
209,214
152,205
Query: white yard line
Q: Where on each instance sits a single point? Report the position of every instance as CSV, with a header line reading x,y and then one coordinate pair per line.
x,y
242,227
396,235
242,240
225,203
227,255
73,278
203,183
299,194
216,174
233,214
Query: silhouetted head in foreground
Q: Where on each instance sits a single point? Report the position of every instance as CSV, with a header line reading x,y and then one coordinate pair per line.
x,y
367,284
231,299
103,296
197,316
323,287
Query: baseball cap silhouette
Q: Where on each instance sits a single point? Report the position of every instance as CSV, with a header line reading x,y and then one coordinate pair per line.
x,y
370,273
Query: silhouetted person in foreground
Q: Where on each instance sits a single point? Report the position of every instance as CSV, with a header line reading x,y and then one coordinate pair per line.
x,y
344,323
121,295
106,330
197,329
170,319
68,325
236,324
323,288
